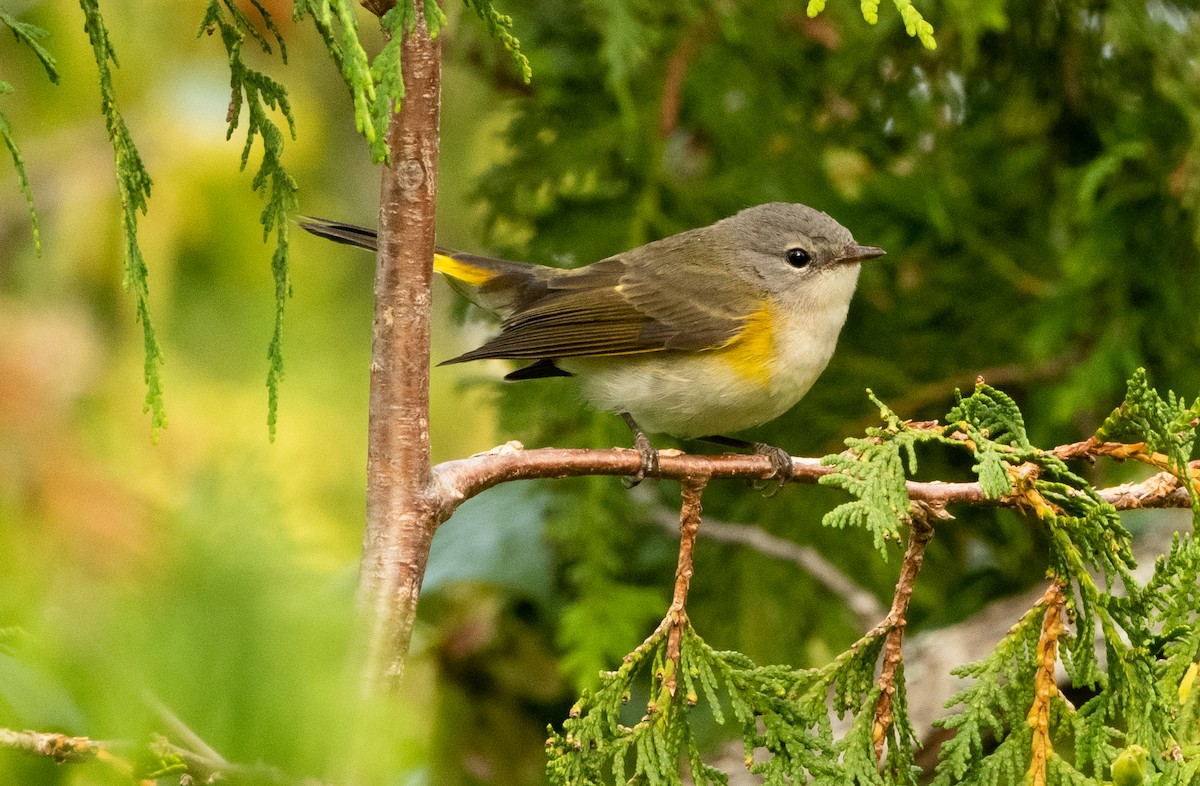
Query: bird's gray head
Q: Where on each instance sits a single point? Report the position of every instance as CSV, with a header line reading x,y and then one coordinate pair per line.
x,y
791,248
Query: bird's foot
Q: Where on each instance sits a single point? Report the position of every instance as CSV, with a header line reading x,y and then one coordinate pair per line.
x,y
782,469
649,455
781,465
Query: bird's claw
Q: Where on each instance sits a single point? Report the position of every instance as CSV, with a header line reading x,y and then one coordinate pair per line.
x,y
782,469
649,460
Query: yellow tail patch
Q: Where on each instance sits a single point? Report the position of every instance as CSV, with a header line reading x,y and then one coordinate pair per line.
x,y
751,352
461,271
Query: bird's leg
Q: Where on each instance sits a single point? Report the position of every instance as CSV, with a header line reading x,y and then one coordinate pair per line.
x,y
647,451
781,460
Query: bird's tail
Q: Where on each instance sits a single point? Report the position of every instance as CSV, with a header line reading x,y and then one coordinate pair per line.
x,y
341,232
498,285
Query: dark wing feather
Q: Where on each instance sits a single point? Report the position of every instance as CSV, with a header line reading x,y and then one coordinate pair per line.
x,y
340,232
657,297
538,370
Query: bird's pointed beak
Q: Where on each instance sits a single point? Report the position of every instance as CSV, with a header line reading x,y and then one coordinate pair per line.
x,y
857,253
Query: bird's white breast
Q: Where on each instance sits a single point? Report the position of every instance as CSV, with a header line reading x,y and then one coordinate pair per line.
x,y
692,394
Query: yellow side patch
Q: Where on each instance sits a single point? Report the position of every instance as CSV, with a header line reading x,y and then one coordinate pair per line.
x,y
751,352
461,271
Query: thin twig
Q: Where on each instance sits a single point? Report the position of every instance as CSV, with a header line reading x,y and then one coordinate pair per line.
x,y
1092,448
858,600
175,725
919,535
60,747
676,619
184,764
1046,687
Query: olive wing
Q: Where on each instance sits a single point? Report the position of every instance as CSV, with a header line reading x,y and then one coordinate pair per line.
x,y
652,299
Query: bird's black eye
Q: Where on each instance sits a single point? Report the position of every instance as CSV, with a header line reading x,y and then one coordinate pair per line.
x,y
798,257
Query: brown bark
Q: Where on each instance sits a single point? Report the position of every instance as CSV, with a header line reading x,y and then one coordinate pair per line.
x,y
400,523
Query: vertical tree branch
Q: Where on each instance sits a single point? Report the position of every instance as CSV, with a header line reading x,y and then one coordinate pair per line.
x,y
1046,686
920,533
676,619
400,521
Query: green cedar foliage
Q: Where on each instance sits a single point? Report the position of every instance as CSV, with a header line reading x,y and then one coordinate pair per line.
x,y
1167,426
259,92
29,35
874,472
375,87
337,24
500,27
1149,635
780,710
133,184
914,24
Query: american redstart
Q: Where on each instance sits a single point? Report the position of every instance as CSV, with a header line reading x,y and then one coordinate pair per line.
x,y
704,333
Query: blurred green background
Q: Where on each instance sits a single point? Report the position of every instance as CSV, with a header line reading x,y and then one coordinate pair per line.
x,y
1036,182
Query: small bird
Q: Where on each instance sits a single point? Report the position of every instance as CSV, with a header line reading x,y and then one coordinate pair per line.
x,y
705,333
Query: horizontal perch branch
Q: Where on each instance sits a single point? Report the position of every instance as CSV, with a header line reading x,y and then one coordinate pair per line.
x,y
157,755
60,747
456,481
